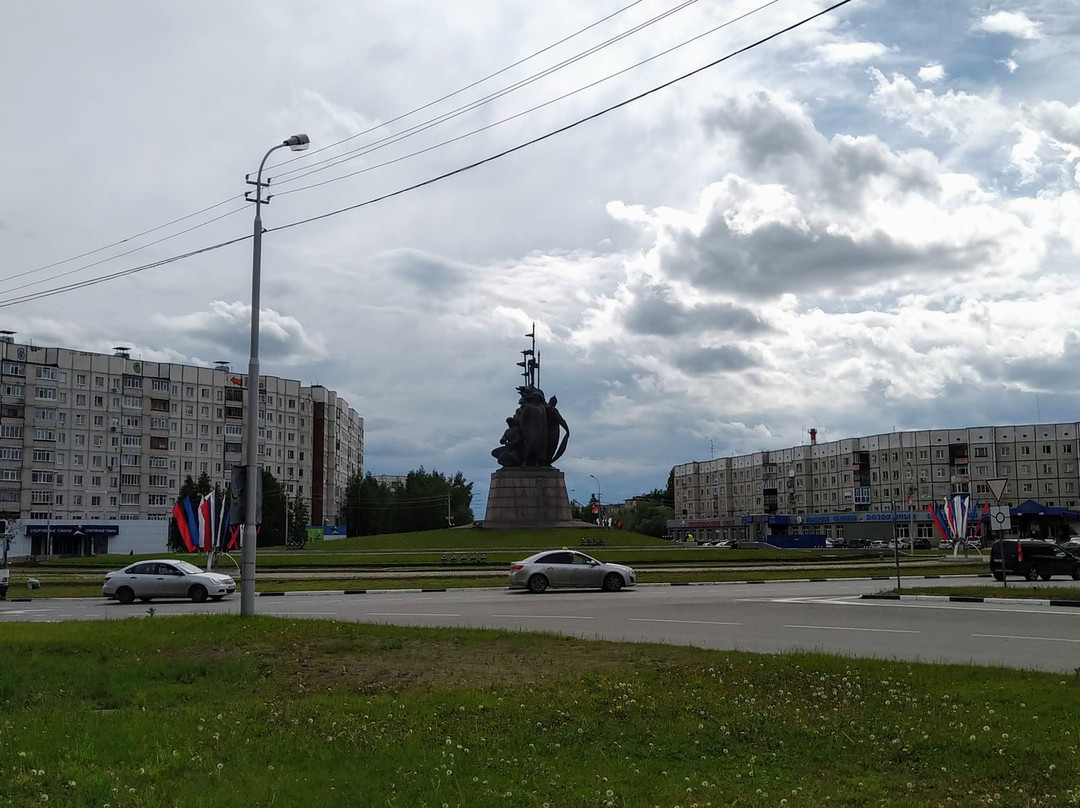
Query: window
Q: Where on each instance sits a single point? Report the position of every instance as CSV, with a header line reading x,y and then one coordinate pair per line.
x,y
980,451
47,373
1006,451
1047,449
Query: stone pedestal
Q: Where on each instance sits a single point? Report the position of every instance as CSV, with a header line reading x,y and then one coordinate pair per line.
x,y
528,497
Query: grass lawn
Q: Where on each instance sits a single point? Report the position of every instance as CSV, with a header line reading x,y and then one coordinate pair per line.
x,y
1045,591
86,583
213,711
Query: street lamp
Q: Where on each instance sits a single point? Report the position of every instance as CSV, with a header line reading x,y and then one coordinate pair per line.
x,y
599,498
247,569
449,519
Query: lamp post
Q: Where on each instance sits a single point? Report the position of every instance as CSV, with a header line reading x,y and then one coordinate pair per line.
x,y
251,426
449,518
599,498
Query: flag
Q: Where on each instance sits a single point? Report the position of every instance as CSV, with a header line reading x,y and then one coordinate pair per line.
x,y
936,516
182,526
192,523
596,509
207,515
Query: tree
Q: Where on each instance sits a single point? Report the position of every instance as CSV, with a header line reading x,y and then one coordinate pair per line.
x,y
299,516
421,503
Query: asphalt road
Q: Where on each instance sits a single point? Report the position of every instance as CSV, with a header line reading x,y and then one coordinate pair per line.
x,y
827,616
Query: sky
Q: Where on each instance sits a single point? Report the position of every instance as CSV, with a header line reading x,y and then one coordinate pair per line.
x,y
724,238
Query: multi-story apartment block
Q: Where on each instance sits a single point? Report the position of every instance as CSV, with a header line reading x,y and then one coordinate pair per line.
x,y
889,478
87,437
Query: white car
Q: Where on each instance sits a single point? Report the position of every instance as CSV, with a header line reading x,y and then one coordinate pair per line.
x,y
166,578
568,568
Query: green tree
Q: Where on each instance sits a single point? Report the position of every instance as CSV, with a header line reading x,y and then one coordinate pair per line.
x,y
421,503
299,516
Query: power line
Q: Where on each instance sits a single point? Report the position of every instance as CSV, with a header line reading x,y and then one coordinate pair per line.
x,y
445,175
506,152
317,151
395,139
331,162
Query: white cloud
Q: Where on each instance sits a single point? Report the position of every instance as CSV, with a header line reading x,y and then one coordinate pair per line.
x,y
931,74
1010,23
850,53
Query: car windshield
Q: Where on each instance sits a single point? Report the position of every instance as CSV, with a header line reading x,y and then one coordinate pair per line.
x,y
186,568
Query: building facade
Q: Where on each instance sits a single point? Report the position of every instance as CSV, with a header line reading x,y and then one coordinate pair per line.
x,y
877,486
88,437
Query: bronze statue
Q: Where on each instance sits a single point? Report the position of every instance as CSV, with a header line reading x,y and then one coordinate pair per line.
x,y
532,433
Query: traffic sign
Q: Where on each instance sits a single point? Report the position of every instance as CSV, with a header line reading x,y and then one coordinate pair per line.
x,y
997,486
999,518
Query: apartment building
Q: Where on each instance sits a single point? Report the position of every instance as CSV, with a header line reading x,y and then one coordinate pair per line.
x,y
88,437
881,483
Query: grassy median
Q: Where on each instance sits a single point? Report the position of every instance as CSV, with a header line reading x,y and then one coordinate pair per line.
x,y
223,711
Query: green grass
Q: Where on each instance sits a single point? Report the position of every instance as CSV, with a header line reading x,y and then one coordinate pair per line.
x,y
1039,591
221,711
63,583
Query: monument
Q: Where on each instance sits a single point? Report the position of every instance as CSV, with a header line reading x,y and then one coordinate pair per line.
x,y
528,491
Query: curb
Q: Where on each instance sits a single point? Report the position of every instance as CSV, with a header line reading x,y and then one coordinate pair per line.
x,y
974,599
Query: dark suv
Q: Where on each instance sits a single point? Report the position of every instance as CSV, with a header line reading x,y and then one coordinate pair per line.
x,y
1033,559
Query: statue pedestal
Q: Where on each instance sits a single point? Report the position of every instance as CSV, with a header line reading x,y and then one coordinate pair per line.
x,y
528,497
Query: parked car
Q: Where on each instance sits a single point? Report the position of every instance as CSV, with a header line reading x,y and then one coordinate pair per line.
x,y
568,568
1072,545
166,578
1032,559
727,544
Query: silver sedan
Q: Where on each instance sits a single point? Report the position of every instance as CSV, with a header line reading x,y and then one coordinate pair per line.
x,y
166,578
568,568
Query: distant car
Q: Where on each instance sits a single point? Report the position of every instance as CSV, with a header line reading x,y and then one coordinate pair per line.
x,y
568,568
1071,546
166,578
1032,559
878,544
727,544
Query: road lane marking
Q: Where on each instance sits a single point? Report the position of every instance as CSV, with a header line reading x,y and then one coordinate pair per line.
x,y
544,616
691,622
410,614
852,628
1015,637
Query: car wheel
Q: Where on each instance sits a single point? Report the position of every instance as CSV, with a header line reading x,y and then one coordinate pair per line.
x,y
537,584
998,576
1032,573
613,582
125,595
197,593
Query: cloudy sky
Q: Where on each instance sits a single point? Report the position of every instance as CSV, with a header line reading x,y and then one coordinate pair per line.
x,y
867,223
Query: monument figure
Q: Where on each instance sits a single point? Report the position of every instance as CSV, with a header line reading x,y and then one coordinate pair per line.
x,y
528,490
532,434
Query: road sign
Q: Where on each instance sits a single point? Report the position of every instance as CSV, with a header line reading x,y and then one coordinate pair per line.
x,y
997,487
999,518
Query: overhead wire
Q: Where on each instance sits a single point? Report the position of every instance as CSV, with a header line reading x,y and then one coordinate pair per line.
x,y
478,130
573,125
317,151
448,174
330,162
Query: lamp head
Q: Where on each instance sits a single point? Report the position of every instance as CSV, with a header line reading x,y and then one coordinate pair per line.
x,y
298,142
